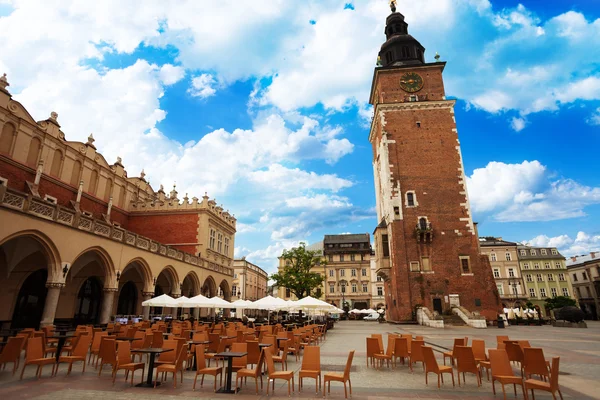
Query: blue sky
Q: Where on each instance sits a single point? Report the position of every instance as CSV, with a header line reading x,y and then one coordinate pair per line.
x,y
262,104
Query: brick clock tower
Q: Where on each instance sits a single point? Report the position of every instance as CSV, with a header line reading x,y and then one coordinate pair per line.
x,y
427,248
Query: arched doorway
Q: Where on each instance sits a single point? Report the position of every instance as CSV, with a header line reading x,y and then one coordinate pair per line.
x,y
89,300
30,301
128,298
157,292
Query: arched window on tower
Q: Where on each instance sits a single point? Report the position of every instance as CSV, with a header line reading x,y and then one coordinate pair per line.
x,y
410,199
34,151
6,138
423,223
108,189
93,183
75,173
56,163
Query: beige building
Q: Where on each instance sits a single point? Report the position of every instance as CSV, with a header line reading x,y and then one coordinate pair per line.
x,y
249,281
584,272
377,285
81,240
285,293
505,268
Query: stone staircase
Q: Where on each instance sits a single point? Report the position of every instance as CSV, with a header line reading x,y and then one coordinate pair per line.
x,y
453,319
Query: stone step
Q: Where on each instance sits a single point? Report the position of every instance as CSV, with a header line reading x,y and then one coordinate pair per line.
x,y
453,320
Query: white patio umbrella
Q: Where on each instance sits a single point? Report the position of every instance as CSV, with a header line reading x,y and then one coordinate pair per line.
x,y
240,304
269,303
218,302
163,300
354,311
198,301
311,303
369,311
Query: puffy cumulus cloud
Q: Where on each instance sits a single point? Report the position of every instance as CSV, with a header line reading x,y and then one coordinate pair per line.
x,y
526,192
267,257
170,74
203,86
594,119
276,176
498,183
582,244
518,124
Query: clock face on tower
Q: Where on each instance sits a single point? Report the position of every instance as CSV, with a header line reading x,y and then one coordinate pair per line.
x,y
411,82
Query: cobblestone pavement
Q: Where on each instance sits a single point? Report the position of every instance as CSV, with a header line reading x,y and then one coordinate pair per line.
x,y
579,350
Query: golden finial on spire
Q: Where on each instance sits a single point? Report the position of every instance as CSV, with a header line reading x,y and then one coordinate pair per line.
x,y
393,4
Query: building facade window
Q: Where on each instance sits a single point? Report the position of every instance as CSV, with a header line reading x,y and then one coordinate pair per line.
x,y
575,277
365,288
343,288
342,272
584,276
554,252
500,289
465,264
539,278
496,273
410,199
553,292
543,292
331,273
529,278
511,273
523,253
557,265
288,293
354,288
508,258
414,266
543,251
331,288
212,239
565,292
515,289
330,258
226,246
341,258
353,272
536,266
379,291
425,264
364,272
550,278
234,290
531,292
533,252
547,265
525,265
220,243
561,277
493,256
379,279
385,246
352,257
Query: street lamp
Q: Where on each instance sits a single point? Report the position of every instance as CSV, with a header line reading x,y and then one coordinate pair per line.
x,y
513,283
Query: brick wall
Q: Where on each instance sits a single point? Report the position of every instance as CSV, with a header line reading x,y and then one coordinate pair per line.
x,y
167,228
425,159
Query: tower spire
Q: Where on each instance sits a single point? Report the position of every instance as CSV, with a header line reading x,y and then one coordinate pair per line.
x,y
393,5
400,48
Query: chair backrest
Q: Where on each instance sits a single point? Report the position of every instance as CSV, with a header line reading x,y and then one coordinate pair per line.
x,y
269,339
269,361
514,351
169,356
379,337
348,365
409,338
390,348
458,342
465,359
108,350
240,348
429,360
138,344
12,349
554,373
124,353
401,347
214,342
312,358
282,335
500,363
147,342
82,346
181,342
181,358
419,338
200,358
253,351
479,349
534,362
524,344
286,345
372,347
416,354
157,339
35,348
500,341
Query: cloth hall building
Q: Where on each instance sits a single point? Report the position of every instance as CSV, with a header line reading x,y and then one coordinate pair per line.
x,y
81,241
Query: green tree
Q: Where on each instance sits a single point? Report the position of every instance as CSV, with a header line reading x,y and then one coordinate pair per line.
x,y
296,275
559,302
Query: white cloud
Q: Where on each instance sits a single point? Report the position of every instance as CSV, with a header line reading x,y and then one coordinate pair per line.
x,y
518,124
203,86
525,192
583,243
170,74
594,119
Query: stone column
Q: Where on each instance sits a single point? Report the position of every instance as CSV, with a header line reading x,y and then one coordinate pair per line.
x,y
107,304
196,313
146,309
51,303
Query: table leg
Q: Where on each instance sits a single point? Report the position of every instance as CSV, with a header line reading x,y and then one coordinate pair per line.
x,y
149,382
227,388
59,346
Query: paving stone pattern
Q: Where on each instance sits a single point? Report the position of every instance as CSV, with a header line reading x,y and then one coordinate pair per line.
x,y
579,350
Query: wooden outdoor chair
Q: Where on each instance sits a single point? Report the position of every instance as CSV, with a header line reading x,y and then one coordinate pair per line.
x,y
157,339
124,362
311,367
372,350
282,359
481,357
416,354
410,339
450,354
389,354
273,374
213,356
552,386
35,356
465,362
401,349
144,344
95,349
239,362
107,353
515,354
337,377
203,370
503,372
534,363
500,342
168,357
431,365
173,368
244,373
78,354
12,352
379,338
253,351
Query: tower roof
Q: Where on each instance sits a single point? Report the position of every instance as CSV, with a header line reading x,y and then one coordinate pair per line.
x,y
400,48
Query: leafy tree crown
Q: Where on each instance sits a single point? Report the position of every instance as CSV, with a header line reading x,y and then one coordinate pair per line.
x,y
296,274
